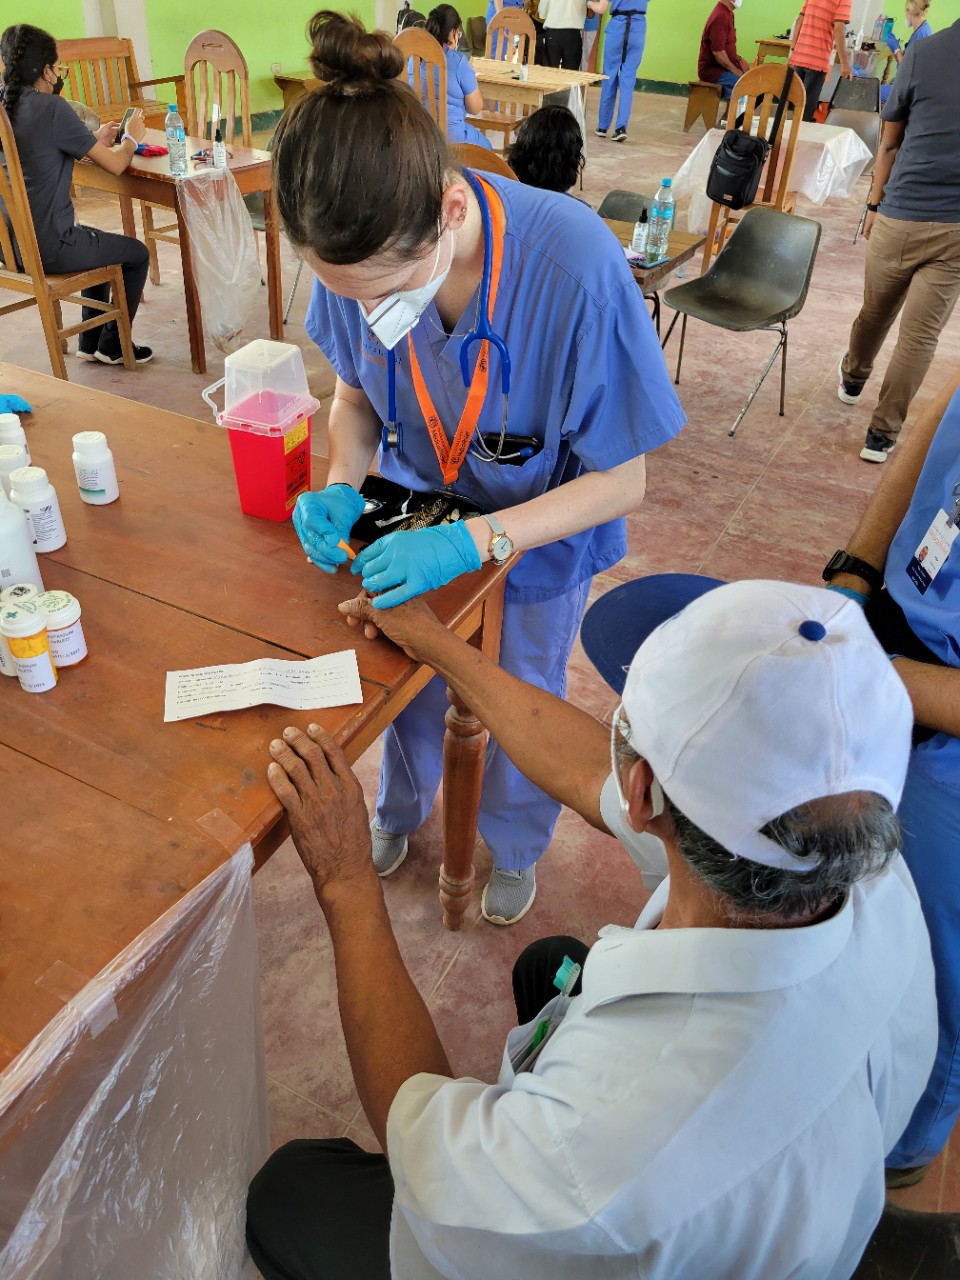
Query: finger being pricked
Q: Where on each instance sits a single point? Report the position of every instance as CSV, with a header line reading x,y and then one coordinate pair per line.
x,y
359,611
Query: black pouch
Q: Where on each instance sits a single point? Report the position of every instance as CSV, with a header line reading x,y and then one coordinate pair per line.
x,y
391,507
735,170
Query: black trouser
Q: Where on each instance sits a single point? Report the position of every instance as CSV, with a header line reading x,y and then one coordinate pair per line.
x,y
562,47
320,1209
812,84
83,248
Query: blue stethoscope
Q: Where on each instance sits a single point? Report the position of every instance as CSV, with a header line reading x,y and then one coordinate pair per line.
x,y
392,433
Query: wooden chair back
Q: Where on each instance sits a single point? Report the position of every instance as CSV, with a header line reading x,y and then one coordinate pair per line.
x,y
511,37
759,86
426,71
215,74
102,73
17,232
473,156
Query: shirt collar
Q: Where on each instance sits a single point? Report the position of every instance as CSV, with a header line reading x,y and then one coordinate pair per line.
x,y
648,961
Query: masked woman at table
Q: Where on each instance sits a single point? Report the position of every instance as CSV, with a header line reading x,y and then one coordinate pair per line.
x,y
412,255
50,138
463,93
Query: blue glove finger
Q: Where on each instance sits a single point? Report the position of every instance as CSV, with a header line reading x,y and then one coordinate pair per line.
x,y
370,554
399,595
14,404
420,560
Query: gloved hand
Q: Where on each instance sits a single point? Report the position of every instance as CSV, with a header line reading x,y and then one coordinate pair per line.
x,y
14,404
849,592
892,43
322,519
403,565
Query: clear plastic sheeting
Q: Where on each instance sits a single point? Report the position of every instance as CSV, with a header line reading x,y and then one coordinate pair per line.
x,y
223,251
827,163
131,1126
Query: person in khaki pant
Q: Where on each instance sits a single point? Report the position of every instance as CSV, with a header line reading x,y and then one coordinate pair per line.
x,y
913,229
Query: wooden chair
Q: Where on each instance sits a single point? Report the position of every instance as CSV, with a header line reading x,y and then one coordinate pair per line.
x,y
511,37
214,74
759,86
703,99
474,157
22,271
426,69
102,74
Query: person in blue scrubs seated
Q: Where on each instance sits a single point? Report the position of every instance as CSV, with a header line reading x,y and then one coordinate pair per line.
x,y
463,95
913,602
623,40
552,446
547,151
916,15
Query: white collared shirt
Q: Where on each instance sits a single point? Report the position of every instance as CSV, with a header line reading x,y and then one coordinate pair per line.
x,y
717,1104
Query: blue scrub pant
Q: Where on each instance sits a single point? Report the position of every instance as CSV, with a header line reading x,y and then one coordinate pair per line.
x,y
930,816
726,82
516,818
469,133
622,52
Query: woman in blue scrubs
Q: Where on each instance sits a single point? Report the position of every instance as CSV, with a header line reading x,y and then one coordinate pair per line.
x,y
397,237
623,39
916,16
463,93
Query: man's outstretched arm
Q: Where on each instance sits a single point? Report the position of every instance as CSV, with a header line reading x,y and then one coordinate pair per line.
x,y
562,749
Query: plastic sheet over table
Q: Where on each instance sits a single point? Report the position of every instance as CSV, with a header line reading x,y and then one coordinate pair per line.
x,y
131,1126
828,162
223,251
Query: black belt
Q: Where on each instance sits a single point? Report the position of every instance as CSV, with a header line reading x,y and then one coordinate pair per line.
x,y
629,13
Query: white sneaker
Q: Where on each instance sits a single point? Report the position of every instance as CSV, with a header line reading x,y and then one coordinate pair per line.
x,y
508,895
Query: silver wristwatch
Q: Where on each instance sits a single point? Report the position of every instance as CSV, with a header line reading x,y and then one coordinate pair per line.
x,y
501,544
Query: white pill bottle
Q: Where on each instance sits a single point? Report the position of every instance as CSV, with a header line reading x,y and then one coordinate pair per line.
x,y
32,492
94,467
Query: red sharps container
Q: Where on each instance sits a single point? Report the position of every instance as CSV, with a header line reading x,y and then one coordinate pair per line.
x,y
267,411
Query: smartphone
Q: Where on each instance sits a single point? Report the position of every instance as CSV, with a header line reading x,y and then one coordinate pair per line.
x,y
127,115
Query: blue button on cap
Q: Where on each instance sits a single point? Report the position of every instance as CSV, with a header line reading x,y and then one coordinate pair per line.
x,y
811,630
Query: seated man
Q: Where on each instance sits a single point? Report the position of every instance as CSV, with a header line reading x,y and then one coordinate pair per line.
x,y
718,1098
719,62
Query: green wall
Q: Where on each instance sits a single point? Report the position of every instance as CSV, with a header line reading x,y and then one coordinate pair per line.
x,y
61,17
674,28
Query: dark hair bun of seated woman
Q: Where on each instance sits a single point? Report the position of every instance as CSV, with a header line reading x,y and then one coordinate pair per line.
x,y
348,57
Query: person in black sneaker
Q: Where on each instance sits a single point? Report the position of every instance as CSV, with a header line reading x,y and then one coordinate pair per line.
x,y
913,234
50,138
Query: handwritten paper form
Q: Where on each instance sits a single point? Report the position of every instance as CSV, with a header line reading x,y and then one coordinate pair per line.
x,y
331,680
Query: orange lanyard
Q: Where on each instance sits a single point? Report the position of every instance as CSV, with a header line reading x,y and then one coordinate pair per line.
x,y
450,456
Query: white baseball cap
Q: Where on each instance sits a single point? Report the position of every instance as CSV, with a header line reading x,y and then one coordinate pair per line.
x,y
760,696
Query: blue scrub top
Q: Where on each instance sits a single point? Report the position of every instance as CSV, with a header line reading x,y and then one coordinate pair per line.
x,y
934,616
921,33
461,80
588,376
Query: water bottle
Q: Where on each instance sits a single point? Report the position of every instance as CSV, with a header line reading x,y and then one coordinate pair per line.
x,y
661,221
176,141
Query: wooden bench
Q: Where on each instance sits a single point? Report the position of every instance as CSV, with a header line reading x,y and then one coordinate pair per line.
x,y
103,76
703,104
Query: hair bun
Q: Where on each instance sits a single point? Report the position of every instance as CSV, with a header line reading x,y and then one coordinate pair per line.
x,y
348,57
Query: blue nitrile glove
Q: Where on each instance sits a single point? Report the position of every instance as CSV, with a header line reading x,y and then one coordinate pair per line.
x,y
322,519
892,43
14,404
405,564
849,592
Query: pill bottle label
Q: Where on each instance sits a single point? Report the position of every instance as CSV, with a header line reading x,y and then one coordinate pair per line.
x,y
90,479
45,524
7,665
67,644
34,663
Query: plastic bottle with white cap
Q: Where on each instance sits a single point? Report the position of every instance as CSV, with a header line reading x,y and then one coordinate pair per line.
x,y
64,629
96,473
18,560
33,493
25,628
19,592
12,458
11,432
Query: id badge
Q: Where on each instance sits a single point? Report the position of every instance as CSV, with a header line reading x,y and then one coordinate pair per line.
x,y
930,556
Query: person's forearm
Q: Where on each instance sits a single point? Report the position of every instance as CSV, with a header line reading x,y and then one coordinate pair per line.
x,y
726,62
883,167
560,748
354,435
840,40
934,693
591,499
389,1033
885,512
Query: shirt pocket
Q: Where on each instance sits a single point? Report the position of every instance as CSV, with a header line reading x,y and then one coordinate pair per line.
x,y
496,485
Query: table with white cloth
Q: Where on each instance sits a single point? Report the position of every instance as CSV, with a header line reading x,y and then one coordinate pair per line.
x,y
827,163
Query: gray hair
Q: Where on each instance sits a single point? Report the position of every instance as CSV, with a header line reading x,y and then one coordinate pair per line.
x,y
854,836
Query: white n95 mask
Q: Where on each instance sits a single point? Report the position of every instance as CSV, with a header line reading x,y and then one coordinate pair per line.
x,y
392,319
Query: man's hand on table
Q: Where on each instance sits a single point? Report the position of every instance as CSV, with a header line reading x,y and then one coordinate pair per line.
x,y
412,626
325,807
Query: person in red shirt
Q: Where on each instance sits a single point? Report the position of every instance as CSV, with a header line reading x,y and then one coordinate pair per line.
x,y
719,61
819,29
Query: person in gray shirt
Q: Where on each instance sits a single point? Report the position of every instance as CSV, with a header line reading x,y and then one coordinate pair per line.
x,y
913,229
50,137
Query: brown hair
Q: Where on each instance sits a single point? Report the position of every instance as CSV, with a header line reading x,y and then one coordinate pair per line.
x,y
918,7
358,165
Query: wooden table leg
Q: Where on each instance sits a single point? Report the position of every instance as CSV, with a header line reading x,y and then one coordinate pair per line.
x,y
271,237
198,356
126,216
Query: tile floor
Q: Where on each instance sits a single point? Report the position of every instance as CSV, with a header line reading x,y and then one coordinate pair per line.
x,y
775,501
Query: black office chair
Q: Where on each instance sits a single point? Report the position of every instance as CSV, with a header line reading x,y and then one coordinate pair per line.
x,y
862,93
866,125
624,206
759,280
912,1246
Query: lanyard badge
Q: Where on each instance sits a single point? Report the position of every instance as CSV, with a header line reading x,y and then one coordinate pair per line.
x,y
935,546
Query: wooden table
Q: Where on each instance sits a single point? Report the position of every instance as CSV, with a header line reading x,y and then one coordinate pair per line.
x,y
500,80
173,576
294,84
772,48
681,247
149,179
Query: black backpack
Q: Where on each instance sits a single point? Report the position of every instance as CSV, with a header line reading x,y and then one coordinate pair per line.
x,y
735,170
